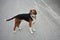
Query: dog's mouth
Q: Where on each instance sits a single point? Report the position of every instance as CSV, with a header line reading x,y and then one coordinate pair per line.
x,y
33,16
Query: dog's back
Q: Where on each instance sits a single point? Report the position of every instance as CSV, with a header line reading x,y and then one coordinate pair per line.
x,y
25,17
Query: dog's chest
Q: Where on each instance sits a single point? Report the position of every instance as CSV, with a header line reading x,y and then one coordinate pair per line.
x,y
33,17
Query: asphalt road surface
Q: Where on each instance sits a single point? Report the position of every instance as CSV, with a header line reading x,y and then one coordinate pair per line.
x,y
47,23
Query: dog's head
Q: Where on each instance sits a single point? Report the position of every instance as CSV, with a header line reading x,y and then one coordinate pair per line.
x,y
33,11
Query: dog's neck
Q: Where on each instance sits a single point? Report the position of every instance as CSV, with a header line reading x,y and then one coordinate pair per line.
x,y
33,16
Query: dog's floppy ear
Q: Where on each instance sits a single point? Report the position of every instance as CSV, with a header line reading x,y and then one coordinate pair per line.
x,y
30,11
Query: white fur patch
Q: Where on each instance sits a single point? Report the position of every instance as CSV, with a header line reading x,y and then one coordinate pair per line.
x,y
20,28
34,18
31,30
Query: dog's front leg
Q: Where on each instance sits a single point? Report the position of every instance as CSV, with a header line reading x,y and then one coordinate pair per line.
x,y
33,24
30,25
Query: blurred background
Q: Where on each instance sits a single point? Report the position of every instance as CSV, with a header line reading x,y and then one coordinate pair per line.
x,y
47,23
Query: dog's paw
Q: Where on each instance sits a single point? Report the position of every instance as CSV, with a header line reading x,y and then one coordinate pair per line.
x,y
20,28
31,32
34,30
14,31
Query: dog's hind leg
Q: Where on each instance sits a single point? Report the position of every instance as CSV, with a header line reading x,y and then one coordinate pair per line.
x,y
17,22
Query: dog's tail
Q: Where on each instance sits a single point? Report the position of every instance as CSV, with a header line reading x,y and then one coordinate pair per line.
x,y
10,19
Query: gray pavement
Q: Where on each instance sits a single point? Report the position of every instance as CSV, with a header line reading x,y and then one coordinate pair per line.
x,y
47,22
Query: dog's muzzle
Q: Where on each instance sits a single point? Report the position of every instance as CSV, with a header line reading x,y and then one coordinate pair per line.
x,y
33,16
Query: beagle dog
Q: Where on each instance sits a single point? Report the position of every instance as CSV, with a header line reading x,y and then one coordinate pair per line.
x,y
30,18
